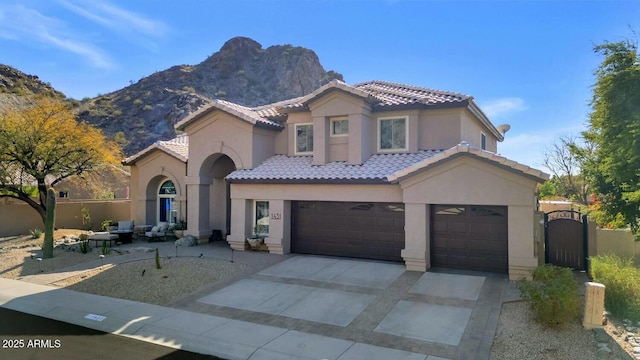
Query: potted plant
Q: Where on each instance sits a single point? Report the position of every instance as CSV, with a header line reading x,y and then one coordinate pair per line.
x,y
109,225
259,233
179,228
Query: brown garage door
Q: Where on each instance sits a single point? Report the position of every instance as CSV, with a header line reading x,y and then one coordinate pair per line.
x,y
470,237
362,230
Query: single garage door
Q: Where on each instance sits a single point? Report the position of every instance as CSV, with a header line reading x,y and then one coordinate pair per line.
x,y
362,230
470,237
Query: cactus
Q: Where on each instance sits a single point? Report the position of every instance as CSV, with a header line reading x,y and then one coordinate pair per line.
x,y
50,219
158,260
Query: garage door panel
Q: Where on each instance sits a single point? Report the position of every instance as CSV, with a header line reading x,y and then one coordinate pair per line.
x,y
480,228
367,230
470,237
439,226
458,227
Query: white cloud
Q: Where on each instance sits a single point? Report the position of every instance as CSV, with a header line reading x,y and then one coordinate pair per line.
x,y
117,19
20,23
501,106
529,148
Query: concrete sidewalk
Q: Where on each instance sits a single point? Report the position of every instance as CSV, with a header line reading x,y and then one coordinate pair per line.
x,y
206,334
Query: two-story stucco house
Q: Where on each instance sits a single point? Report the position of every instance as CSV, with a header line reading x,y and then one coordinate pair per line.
x,y
376,170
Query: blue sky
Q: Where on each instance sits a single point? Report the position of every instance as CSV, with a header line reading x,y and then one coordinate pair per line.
x,y
527,63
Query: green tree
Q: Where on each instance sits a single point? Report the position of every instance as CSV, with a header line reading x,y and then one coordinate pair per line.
x,y
612,167
42,144
565,162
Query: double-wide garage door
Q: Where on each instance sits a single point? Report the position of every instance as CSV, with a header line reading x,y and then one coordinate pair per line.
x,y
363,230
471,237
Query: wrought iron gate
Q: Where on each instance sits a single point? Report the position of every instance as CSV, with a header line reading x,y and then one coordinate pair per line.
x,y
566,239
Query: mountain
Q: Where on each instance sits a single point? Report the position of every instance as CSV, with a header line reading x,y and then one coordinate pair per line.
x,y
16,85
242,72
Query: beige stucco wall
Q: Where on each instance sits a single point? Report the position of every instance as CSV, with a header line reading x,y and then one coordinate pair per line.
x,y
17,218
471,130
147,175
212,139
618,242
439,129
427,129
469,181
553,205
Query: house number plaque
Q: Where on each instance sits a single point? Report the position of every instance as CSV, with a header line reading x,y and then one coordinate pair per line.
x,y
276,216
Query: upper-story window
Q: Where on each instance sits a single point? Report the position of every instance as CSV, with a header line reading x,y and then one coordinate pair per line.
x,y
304,138
483,141
340,126
392,133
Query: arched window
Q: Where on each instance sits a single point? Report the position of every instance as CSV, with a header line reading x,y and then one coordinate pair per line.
x,y
167,205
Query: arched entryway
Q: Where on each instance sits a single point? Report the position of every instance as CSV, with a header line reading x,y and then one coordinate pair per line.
x,y
214,209
164,201
167,204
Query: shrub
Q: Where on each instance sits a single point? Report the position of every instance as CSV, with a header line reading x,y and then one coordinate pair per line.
x,y
553,295
622,285
35,233
147,107
137,102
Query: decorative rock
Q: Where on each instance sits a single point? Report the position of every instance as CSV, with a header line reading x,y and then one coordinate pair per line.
x,y
188,240
604,352
601,335
139,250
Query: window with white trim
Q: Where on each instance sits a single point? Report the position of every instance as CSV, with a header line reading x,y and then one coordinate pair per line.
x,y
392,133
261,218
483,141
304,138
340,126
167,204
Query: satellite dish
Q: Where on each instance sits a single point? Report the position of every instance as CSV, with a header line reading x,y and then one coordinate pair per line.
x,y
503,128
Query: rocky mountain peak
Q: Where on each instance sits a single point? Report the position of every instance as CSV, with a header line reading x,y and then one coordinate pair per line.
x,y
242,72
240,45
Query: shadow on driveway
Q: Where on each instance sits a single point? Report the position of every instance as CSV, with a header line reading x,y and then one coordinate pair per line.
x,y
25,336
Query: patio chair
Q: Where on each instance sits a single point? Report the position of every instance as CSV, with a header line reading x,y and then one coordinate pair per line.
x,y
124,231
159,231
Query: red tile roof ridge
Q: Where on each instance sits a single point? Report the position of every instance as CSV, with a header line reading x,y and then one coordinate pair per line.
x,y
414,88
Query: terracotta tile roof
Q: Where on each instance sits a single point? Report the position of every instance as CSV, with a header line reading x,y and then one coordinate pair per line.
x,y
265,115
379,93
389,94
248,114
177,147
385,94
299,168
465,148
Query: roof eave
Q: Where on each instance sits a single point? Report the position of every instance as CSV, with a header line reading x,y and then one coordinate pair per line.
x,y
131,161
377,181
475,110
466,150
182,124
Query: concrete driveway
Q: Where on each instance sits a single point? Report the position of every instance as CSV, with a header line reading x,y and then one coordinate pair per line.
x,y
357,309
294,307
